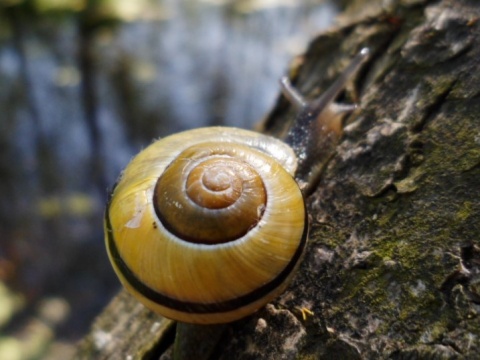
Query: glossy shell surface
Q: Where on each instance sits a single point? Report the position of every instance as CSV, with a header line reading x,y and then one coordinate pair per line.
x,y
201,281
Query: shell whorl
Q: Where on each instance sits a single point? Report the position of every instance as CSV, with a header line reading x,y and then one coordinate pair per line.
x,y
211,193
185,274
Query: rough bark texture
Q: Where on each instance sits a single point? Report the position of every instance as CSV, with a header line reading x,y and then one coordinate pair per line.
x,y
392,267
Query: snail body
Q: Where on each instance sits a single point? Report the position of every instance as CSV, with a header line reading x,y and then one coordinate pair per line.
x,y
208,225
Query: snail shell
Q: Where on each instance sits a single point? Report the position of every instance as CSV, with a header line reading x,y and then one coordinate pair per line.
x,y
208,225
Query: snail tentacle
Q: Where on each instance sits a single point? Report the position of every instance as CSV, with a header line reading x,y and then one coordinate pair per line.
x,y
318,126
292,94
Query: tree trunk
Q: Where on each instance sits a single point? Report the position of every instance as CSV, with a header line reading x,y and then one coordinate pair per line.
x,y
392,267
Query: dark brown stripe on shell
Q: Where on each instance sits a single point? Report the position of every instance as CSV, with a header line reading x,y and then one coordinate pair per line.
x,y
194,307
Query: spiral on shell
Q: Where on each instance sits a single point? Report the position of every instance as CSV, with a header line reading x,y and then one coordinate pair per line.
x,y
211,193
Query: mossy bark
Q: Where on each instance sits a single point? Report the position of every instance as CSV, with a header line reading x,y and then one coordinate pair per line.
x,y
392,267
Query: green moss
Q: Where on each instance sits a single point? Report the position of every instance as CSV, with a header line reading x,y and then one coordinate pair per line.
x,y
386,216
464,212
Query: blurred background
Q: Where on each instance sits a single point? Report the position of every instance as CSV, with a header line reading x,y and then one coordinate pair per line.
x,y
85,85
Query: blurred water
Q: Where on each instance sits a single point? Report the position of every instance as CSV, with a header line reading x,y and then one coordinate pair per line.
x,y
201,65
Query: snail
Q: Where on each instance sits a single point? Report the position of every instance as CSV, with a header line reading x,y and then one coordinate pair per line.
x,y
208,225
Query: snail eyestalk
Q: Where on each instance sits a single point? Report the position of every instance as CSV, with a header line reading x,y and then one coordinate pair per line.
x,y
318,126
292,94
319,104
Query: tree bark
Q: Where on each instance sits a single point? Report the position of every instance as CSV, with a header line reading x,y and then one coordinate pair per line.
x,y
393,262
